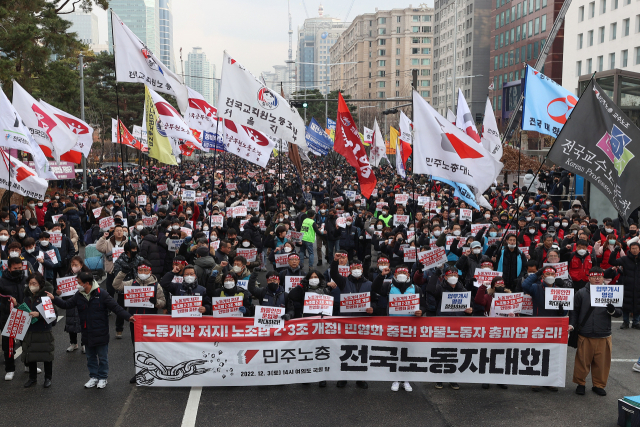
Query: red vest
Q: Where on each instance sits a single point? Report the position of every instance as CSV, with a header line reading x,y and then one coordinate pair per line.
x,y
578,269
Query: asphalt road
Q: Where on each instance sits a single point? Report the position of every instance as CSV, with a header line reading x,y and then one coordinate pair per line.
x,y
123,404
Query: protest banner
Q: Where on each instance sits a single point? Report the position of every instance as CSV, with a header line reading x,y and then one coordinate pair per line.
x,y
253,204
260,188
105,223
174,244
344,270
97,212
432,258
226,306
217,220
601,295
186,306
292,281
380,205
142,199
67,285
506,304
481,275
55,218
188,195
351,195
434,349
268,317
341,222
116,252
527,305
162,187
47,308
493,240
294,236
186,230
524,250
401,220
149,221
231,186
17,324
318,304
138,296
410,255
404,304
189,182
455,301
52,256
282,260
476,228
199,199
466,215
249,253
423,200
554,298
562,269
55,237
239,211
401,199
355,303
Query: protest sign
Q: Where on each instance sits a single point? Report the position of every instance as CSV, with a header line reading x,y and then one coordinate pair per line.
x,y
260,188
601,295
404,304
268,317
455,301
355,303
466,214
174,244
253,205
97,212
401,220
248,253
294,236
476,228
231,186
292,281
47,308
409,255
401,199
138,296
433,258
188,195
239,211
149,221
554,298
244,284
55,218
162,187
524,250
17,324
217,221
116,252
226,306
351,195
186,306
186,230
55,237
423,200
67,285
380,205
318,304
282,260
52,256
527,305
505,304
104,223
341,222
562,269
481,275
142,199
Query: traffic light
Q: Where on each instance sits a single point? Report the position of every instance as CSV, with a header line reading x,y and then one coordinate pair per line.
x,y
298,104
390,111
304,104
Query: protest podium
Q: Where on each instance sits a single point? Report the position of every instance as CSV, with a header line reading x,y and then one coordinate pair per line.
x,y
629,411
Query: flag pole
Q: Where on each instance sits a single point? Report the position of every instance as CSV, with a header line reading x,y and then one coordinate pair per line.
x,y
540,168
213,180
113,44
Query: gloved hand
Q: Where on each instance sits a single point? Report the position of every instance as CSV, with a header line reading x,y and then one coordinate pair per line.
x,y
243,310
539,272
153,300
611,309
285,317
126,268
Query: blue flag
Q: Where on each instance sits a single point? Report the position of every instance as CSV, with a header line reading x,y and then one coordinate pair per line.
x,y
461,191
317,139
331,124
547,105
212,141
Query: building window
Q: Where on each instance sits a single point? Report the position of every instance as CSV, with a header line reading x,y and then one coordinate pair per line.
x,y
382,52
511,58
579,68
415,61
415,29
581,14
531,6
425,82
415,40
382,42
381,84
426,40
638,56
612,61
497,22
425,93
397,73
425,61
397,62
501,39
537,4
397,83
507,17
397,51
579,41
524,8
589,66
426,50
590,38
524,31
415,51
614,5
613,31
425,72
625,58
603,6
382,63
625,27
506,38
398,30
592,9
544,3
601,35
382,21
501,61
537,26
502,19
495,63
543,23
398,19
382,31
415,18
426,29
529,52
381,95
518,33
600,63
517,55
500,82
496,43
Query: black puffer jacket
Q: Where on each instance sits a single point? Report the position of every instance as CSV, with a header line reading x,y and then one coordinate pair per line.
x,y
10,287
598,324
630,279
38,344
150,251
252,233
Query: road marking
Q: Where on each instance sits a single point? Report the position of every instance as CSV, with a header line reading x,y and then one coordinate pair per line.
x,y
17,353
191,410
60,318
125,408
616,321
624,360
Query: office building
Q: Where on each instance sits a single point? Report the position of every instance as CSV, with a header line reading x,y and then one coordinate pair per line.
x,y
143,18
461,54
165,28
199,74
85,25
519,31
600,35
379,51
315,39
278,79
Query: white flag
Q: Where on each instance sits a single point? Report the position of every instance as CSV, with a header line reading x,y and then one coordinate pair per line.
x,y
51,134
171,122
247,143
490,135
135,63
200,114
17,136
80,128
443,150
451,117
246,101
406,128
464,120
24,180
114,131
399,165
368,135
378,149
140,134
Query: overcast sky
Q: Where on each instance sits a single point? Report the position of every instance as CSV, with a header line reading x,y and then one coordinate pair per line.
x,y
255,32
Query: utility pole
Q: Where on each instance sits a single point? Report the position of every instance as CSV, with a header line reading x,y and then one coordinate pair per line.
x,y
84,159
455,46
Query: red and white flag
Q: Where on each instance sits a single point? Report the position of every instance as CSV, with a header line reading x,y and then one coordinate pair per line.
x,y
349,145
378,148
406,129
200,114
121,135
51,134
443,150
490,134
248,143
23,179
80,128
464,119
451,117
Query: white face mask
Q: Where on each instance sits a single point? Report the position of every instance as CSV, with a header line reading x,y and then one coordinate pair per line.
x,y
175,227
43,243
402,278
379,226
34,289
512,246
456,232
564,224
609,230
31,250
14,254
382,267
32,205
245,244
437,233
532,230
314,282
22,235
33,227
139,227
452,280
287,249
236,269
356,273
477,251
189,279
528,218
487,216
556,224
75,269
582,252
205,228
143,276
4,238
229,285
549,280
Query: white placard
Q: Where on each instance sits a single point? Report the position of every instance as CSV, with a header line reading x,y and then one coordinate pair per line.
x,y
409,255
404,304
52,256
239,211
186,306
601,295
355,303
47,308
455,301
562,269
227,306
17,324
104,223
282,260
217,220
67,285
42,314
292,281
318,304
97,212
402,199
481,275
174,244
55,218
142,199
189,195
341,222
527,305
433,258
268,317
465,214
505,304
401,220
556,297
116,252
138,296
344,270
249,253
55,237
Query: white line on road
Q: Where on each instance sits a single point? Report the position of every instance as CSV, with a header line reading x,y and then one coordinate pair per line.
x,y
191,411
624,360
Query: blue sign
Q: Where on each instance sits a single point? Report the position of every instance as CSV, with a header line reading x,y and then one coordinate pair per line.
x,y
547,105
331,124
461,191
211,140
317,139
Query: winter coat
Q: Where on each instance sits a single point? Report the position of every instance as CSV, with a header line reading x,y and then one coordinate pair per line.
x,y
10,287
204,267
94,314
38,344
253,234
534,286
119,283
73,215
105,246
71,318
150,251
630,279
598,324
437,287
186,289
350,285
266,296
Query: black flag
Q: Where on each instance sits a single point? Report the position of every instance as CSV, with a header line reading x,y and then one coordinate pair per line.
x,y
600,143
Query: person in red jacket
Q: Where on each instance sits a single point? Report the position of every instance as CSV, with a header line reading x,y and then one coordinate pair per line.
x,y
41,210
603,248
580,262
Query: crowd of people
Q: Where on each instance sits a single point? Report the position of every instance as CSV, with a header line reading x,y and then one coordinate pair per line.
x,y
319,217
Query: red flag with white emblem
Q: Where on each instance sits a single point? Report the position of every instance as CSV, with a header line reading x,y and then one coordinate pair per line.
x,y
247,143
80,128
23,179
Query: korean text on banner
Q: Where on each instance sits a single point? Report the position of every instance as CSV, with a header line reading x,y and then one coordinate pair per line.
x,y
138,296
318,304
282,260
291,282
455,301
268,317
67,285
428,349
186,306
562,269
432,258
481,275
17,324
355,303
226,306
403,304
507,304
601,295
554,298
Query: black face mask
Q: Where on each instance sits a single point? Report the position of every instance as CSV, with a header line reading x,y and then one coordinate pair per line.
x,y
16,274
499,289
273,287
133,254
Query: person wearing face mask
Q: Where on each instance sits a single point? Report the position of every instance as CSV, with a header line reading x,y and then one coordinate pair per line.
x,y
320,219
272,295
142,276
72,319
33,256
349,238
315,282
150,250
41,211
468,264
580,262
50,263
293,269
576,209
12,285
603,249
384,215
239,268
205,266
630,264
354,283
230,288
333,234
535,285
32,230
5,240
593,325
93,308
38,343
511,261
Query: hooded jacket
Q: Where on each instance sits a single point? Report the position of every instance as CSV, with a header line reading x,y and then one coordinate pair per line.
x,y
119,283
150,251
